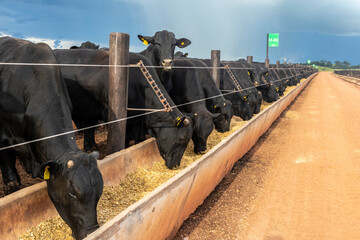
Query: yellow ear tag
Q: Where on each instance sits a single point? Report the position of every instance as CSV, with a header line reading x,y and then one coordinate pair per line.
x,y
248,73
145,42
267,74
214,106
178,121
182,43
245,98
47,173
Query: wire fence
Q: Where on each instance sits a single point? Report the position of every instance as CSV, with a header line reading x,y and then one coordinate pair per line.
x,y
150,111
128,66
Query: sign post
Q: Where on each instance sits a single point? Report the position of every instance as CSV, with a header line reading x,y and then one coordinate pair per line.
x,y
272,40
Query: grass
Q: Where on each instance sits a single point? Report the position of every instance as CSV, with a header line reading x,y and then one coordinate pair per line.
x,y
324,69
355,69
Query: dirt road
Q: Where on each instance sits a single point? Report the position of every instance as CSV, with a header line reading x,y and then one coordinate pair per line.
x,y
300,181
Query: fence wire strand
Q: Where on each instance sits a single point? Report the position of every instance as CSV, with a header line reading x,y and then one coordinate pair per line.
x,y
150,111
124,66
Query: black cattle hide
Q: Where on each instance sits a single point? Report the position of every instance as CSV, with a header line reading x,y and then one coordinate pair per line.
x,y
40,108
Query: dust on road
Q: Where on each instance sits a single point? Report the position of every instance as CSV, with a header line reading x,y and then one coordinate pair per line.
x,y
300,181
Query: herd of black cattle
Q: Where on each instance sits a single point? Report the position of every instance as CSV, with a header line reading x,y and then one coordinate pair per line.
x,y
37,101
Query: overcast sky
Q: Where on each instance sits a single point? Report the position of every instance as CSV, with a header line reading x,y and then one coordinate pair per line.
x,y
315,30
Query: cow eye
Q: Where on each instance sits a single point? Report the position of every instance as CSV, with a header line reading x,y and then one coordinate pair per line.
x,y
72,195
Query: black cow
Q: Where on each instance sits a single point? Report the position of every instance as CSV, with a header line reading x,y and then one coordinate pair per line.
x,y
87,45
243,102
296,72
88,90
184,87
288,75
161,51
243,73
220,107
265,85
40,108
278,78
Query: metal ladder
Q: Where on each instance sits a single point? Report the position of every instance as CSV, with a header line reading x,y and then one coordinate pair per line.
x,y
154,86
236,83
277,75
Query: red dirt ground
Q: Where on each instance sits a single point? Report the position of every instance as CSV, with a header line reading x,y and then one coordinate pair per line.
x,y
300,181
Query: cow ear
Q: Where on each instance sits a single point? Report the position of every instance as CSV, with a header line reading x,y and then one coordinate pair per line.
x,y
49,168
183,121
183,42
146,40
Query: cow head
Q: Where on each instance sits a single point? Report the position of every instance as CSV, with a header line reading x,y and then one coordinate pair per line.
x,y
181,54
203,126
75,185
163,46
173,139
257,76
244,108
242,102
86,45
222,116
267,87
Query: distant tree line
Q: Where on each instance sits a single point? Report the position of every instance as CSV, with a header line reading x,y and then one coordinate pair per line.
x,y
336,65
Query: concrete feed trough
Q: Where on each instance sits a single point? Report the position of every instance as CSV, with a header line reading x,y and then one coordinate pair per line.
x,y
160,214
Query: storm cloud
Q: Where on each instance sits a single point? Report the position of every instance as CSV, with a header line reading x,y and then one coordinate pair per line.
x,y
324,29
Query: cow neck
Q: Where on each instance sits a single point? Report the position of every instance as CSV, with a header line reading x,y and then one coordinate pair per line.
x,y
44,126
210,89
160,99
55,148
164,119
164,76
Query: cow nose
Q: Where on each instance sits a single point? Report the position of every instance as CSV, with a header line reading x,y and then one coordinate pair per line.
x,y
166,64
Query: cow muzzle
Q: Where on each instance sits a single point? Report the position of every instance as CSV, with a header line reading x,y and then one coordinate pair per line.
x,y
166,64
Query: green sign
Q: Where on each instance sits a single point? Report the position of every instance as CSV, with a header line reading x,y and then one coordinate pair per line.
x,y
308,61
273,40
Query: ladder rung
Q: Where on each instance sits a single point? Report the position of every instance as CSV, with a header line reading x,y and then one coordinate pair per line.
x,y
154,86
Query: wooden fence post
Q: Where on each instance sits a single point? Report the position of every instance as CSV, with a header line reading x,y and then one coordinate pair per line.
x,y
215,64
249,59
277,64
118,88
267,63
